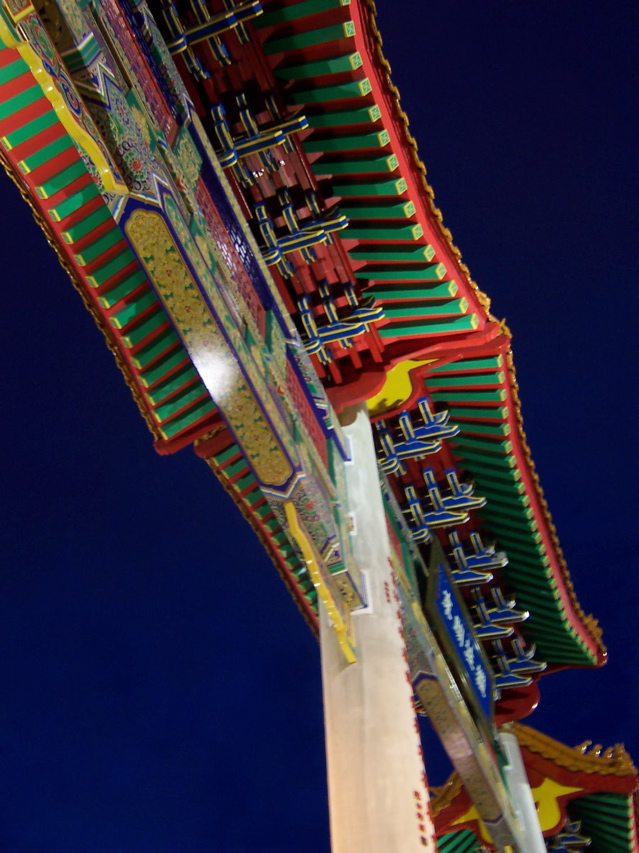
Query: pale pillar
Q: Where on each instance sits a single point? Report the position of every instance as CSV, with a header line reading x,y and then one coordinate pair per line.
x,y
522,798
377,786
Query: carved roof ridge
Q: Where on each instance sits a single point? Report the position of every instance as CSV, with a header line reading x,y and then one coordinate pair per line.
x,y
584,758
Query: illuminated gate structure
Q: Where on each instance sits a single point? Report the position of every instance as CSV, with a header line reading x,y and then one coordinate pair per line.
x,y
235,193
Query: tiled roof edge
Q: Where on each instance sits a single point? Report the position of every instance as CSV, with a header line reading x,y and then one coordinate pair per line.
x,y
590,624
613,761
411,143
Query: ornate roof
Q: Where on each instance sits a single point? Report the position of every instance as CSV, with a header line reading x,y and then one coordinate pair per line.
x,y
588,784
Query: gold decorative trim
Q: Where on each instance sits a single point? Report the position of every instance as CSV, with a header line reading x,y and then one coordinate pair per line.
x,y
210,434
590,624
289,583
50,90
613,761
482,298
443,796
322,580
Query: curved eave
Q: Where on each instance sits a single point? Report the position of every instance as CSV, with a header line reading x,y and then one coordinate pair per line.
x,y
368,12
602,792
614,763
344,88
69,207
610,820
44,161
482,397
328,58
585,627
607,810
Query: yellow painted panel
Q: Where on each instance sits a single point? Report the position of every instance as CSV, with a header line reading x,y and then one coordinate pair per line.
x,y
11,38
397,388
332,599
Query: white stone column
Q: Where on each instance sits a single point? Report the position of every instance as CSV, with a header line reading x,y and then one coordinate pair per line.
x,y
377,788
522,798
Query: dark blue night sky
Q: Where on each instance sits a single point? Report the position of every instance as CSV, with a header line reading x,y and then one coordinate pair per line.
x,y
160,691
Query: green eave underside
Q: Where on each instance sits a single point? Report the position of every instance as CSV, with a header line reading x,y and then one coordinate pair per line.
x,y
356,156
473,392
74,205
176,396
607,819
462,841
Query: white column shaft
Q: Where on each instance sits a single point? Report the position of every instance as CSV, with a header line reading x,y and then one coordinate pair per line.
x,y
377,789
532,839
